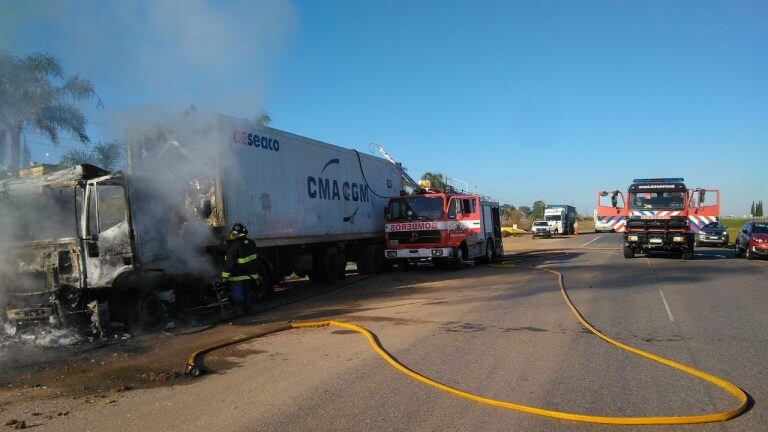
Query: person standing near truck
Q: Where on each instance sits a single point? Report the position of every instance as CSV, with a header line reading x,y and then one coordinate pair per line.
x,y
241,271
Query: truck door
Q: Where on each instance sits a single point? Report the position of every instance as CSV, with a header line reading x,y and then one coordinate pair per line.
x,y
106,232
611,210
705,208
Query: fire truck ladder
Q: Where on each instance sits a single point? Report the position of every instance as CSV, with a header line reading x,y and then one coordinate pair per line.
x,y
411,182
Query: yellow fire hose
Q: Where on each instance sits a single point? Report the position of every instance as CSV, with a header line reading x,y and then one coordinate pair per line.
x,y
195,367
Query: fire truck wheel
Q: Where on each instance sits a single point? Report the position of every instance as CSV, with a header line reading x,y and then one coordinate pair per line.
x,y
629,252
458,260
489,253
688,255
737,251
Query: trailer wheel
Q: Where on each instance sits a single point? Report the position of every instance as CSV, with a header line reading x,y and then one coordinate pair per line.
x,y
331,264
629,252
375,261
362,264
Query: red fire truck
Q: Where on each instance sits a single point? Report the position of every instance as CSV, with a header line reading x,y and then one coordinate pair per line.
x,y
661,215
445,226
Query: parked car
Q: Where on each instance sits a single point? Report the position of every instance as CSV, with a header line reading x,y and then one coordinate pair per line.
x,y
752,241
712,233
541,228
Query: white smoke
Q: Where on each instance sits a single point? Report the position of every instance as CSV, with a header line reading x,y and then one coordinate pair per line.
x,y
216,55
149,61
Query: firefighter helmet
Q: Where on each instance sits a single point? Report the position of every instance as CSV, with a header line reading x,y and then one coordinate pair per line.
x,y
238,229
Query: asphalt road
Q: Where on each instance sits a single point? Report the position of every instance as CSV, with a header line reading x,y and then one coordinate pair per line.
x,y
499,333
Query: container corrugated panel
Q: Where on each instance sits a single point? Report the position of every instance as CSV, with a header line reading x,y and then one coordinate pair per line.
x,y
290,189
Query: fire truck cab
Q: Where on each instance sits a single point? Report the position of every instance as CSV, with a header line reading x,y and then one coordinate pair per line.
x,y
664,215
444,227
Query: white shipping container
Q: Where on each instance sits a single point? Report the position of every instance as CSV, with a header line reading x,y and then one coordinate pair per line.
x,y
287,189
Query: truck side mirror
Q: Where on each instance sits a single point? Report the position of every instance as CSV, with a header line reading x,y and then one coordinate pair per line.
x,y
614,201
702,196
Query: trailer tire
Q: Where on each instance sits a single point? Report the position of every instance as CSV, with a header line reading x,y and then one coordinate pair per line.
x,y
362,264
375,261
629,252
332,264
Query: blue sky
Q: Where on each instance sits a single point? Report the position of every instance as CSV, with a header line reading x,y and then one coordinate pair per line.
x,y
526,100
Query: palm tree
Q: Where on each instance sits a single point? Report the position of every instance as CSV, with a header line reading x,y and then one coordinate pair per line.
x,y
105,155
35,94
436,180
263,119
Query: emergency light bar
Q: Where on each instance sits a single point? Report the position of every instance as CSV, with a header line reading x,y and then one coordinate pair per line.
x,y
660,180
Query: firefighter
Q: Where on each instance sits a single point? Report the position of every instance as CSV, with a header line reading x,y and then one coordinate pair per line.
x,y
241,270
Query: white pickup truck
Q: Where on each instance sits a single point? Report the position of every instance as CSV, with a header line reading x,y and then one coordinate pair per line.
x,y
541,228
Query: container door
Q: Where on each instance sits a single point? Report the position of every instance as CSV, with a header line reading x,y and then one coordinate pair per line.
x,y
106,232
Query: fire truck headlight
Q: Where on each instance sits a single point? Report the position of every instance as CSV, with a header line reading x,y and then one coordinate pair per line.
x,y
391,254
437,252
632,238
678,238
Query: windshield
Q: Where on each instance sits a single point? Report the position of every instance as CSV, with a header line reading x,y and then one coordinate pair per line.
x,y
416,208
657,200
542,223
552,218
46,216
759,229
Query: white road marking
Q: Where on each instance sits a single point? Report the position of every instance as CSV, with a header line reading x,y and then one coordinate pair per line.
x,y
591,240
666,305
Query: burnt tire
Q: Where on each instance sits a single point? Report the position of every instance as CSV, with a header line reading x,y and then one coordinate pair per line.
x,y
149,311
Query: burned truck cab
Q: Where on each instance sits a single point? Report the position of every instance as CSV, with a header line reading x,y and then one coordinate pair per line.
x,y
43,263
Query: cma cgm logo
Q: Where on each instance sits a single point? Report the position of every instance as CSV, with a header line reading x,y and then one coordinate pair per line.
x,y
325,188
253,140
